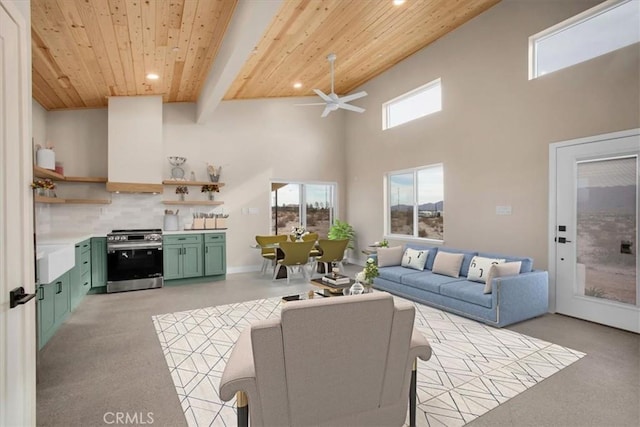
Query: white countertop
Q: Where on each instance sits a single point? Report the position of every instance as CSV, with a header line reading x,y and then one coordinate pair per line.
x,y
220,230
73,237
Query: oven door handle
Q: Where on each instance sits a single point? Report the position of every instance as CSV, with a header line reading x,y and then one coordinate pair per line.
x,y
134,247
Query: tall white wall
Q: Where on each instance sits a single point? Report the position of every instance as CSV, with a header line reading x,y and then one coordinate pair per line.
x,y
254,142
494,130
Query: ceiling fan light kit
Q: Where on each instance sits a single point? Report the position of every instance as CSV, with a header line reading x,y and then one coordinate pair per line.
x,y
333,102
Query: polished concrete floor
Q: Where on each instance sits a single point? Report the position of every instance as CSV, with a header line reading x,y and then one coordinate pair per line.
x,y
105,362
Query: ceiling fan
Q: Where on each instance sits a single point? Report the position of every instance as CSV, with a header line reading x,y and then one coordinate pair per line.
x,y
332,102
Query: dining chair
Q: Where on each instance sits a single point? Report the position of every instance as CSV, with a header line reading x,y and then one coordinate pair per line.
x,y
332,251
296,257
312,237
269,253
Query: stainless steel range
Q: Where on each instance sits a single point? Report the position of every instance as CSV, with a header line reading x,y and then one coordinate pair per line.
x,y
134,260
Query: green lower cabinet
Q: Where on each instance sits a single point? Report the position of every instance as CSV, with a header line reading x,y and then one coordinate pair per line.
x,y
46,313
54,306
191,256
192,260
80,274
214,259
75,294
98,262
61,298
215,254
182,261
172,261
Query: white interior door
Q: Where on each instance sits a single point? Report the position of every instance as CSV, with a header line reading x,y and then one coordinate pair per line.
x,y
17,325
596,229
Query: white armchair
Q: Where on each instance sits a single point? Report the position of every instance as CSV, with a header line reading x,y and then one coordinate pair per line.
x,y
342,361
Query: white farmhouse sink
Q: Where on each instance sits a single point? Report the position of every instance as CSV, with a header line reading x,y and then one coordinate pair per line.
x,y
55,261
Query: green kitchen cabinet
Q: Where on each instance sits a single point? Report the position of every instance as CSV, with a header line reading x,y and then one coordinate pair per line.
x,y
182,256
98,262
79,275
46,313
61,299
53,307
215,257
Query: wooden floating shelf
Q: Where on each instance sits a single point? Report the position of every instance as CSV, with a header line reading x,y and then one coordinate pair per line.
x,y
88,201
43,199
86,179
193,183
133,187
47,173
40,172
193,202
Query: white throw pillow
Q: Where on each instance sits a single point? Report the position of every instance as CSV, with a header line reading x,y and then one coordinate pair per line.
x,y
414,258
479,268
448,264
501,270
388,257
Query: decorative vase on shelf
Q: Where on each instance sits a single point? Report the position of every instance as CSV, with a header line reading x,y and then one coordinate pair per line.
x,y
210,194
181,196
40,192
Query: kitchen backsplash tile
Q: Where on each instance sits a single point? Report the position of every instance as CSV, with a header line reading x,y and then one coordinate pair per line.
x,y
126,211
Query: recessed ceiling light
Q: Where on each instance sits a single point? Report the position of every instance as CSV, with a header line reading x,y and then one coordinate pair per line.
x,y
153,76
297,85
398,2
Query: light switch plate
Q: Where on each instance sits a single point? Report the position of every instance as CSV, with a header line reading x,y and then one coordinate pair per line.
x,y
254,211
503,210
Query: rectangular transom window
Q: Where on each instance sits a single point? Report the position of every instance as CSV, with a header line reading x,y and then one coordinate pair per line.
x,y
602,29
418,103
415,202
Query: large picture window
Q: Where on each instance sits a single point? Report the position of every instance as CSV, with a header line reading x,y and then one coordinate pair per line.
x,y
415,202
311,205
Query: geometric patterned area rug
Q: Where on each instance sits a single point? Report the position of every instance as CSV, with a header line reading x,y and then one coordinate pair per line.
x,y
473,368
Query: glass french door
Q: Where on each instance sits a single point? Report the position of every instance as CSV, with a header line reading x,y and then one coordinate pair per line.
x,y
596,231
311,205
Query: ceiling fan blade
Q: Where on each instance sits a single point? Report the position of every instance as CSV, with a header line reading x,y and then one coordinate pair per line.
x,y
326,111
353,97
322,95
351,108
313,103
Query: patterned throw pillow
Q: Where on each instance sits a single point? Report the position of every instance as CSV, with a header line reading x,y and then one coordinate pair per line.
x,y
414,258
479,268
447,264
501,270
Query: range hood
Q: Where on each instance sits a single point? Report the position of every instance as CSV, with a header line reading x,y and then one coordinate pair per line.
x,y
135,144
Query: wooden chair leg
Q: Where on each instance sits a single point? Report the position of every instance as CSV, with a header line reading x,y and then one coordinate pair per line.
x,y
242,404
412,395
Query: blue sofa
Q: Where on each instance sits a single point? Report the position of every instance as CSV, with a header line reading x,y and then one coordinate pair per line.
x,y
513,299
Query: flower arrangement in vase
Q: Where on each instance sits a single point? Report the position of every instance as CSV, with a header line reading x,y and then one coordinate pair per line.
x,y
369,273
210,188
44,187
181,190
298,231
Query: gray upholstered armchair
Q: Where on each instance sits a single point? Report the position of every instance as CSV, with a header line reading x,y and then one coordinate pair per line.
x,y
342,361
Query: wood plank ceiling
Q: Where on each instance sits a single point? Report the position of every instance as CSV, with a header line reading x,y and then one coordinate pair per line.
x,y
87,50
